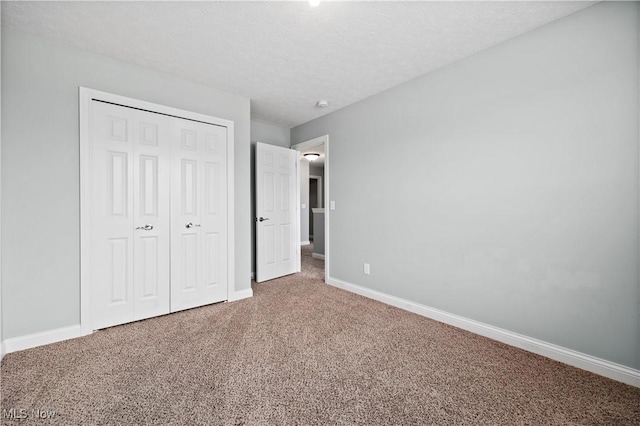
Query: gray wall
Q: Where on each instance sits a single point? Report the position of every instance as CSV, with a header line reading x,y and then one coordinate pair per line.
x,y
504,187
40,170
318,233
269,133
304,199
273,135
1,322
318,171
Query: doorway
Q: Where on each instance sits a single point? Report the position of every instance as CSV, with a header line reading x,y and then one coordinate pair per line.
x,y
313,191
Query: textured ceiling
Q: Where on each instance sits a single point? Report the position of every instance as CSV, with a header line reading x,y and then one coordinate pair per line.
x,y
285,56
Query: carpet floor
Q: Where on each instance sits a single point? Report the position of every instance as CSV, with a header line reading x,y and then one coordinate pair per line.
x,y
301,352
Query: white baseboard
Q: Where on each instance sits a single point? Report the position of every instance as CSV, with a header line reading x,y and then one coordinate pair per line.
x,y
2,351
317,256
43,338
305,243
239,295
568,356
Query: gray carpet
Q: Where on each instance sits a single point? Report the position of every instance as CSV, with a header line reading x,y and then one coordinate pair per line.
x,y
301,352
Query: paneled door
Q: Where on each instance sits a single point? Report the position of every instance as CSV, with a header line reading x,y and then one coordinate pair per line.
x,y
277,245
199,215
129,236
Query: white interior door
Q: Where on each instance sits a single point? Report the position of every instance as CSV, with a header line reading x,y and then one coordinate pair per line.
x,y
199,215
129,208
277,245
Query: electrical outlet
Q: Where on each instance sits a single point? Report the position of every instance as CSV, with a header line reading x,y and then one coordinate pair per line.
x,y
367,269
333,205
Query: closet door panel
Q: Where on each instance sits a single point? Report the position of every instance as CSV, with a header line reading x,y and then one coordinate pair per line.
x,y
199,221
111,209
214,212
186,261
151,174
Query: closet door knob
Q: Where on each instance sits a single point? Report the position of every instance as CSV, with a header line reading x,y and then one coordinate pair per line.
x,y
147,227
190,225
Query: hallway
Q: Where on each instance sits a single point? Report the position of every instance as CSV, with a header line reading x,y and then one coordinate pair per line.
x,y
311,267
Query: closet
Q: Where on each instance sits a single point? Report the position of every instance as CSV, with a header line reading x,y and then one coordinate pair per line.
x,y
155,209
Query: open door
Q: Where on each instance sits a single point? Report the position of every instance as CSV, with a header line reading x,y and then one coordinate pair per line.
x,y
277,245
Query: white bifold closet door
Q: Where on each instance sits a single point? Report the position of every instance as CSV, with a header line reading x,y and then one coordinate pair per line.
x,y
158,208
130,207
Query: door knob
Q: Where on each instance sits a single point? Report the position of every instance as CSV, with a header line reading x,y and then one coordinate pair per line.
x,y
190,225
147,227
262,219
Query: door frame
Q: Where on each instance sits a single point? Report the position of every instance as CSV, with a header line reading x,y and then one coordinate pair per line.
x,y
85,97
324,139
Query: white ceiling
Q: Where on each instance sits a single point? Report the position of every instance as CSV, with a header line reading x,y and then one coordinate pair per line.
x,y
286,56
